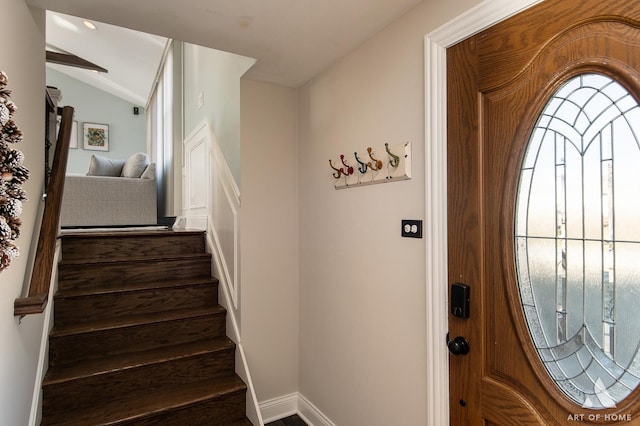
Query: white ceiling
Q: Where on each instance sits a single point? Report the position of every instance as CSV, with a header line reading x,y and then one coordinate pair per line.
x,y
292,40
131,57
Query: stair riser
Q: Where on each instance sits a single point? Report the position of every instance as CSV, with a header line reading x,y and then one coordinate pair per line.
x,y
86,276
112,305
93,345
228,410
110,386
82,247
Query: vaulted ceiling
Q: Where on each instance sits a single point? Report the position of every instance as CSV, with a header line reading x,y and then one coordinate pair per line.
x,y
131,57
292,40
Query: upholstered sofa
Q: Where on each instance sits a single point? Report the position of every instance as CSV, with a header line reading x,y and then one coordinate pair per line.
x,y
113,192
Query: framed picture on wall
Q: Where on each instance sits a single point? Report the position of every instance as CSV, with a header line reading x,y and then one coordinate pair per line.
x,y
96,136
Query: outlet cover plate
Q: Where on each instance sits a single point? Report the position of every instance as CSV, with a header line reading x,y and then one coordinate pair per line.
x,y
411,228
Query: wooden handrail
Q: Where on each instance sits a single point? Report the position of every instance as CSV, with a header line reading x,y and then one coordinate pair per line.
x,y
39,286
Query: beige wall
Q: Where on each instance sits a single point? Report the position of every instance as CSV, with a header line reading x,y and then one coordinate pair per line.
x,y
22,58
269,236
362,287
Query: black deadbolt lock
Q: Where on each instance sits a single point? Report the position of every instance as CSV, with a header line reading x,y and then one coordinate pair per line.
x,y
460,300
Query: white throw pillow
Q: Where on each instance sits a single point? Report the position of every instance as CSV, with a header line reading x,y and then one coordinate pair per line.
x,y
135,165
103,166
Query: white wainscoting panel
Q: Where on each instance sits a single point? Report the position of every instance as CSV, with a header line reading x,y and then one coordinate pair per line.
x,y
196,164
212,202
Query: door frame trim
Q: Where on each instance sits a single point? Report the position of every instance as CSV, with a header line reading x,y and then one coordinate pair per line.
x,y
476,19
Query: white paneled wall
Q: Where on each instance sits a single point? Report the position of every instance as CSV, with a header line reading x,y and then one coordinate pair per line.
x,y
212,202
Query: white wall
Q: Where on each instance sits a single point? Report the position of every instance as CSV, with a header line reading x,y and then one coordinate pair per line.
x,y
215,75
362,287
127,132
269,238
21,57
178,132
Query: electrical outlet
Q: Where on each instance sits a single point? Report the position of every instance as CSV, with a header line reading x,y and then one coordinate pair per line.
x,y
411,228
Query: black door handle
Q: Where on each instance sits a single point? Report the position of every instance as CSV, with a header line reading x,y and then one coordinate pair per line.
x,y
458,346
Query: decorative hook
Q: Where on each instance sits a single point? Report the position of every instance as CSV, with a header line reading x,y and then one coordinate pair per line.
x,y
395,160
338,172
363,166
378,163
348,170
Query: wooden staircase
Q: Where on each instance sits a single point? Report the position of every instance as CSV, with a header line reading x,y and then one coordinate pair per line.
x,y
139,336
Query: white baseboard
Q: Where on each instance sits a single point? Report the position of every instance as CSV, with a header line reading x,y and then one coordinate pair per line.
x,y
279,408
311,414
197,222
294,403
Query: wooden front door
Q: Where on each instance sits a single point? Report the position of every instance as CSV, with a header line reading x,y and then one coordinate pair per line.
x,y
541,217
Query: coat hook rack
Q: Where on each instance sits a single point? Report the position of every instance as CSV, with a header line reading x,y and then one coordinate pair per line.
x,y
396,166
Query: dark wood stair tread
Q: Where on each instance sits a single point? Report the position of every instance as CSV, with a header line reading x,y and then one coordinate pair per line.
x,y
133,320
120,362
132,233
131,286
131,259
150,402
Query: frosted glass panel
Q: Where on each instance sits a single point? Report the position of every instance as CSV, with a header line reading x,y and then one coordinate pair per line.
x,y
577,238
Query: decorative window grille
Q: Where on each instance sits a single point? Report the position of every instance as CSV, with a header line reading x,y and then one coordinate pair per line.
x,y
577,239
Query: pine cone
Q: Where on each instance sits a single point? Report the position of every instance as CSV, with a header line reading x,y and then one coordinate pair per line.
x,y
10,208
15,224
14,176
5,229
14,190
20,174
7,110
10,249
13,158
4,147
11,133
10,105
5,114
3,78
5,260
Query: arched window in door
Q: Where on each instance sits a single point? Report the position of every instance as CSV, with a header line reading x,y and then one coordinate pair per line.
x,y
577,238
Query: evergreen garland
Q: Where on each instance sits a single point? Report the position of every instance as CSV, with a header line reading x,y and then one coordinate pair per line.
x,y
12,175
